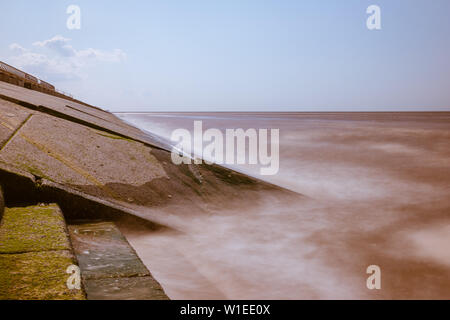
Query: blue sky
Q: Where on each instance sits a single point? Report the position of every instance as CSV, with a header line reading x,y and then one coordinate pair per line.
x,y
246,55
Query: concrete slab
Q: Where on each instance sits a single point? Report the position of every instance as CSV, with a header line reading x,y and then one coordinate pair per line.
x,y
35,253
33,229
73,109
37,276
110,268
56,103
12,117
72,154
103,252
138,288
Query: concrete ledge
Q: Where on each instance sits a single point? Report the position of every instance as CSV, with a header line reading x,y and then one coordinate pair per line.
x,y
33,229
37,276
35,252
142,288
104,253
110,268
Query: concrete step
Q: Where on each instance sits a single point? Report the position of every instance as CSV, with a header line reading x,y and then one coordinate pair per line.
x,y
110,268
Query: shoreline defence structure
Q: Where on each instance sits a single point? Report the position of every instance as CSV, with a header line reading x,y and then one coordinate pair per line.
x,y
96,167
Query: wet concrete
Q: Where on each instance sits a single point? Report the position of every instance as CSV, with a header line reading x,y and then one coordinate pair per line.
x,y
138,288
109,266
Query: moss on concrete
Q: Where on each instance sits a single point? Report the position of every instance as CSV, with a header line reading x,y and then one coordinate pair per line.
x,y
37,276
35,252
113,136
37,172
2,203
33,229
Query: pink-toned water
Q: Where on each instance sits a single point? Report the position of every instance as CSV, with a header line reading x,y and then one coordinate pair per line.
x,y
379,193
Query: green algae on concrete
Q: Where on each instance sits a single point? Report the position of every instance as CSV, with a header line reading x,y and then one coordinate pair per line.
x,y
37,276
33,229
35,252
2,203
111,136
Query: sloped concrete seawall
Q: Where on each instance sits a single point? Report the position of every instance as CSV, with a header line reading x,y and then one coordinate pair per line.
x,y
92,163
97,167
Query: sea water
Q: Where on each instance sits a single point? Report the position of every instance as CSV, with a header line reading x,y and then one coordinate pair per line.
x,y
379,191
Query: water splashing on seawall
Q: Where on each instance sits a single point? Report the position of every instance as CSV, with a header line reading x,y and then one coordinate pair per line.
x,y
379,190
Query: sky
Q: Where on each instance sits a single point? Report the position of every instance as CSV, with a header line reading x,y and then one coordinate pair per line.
x,y
236,55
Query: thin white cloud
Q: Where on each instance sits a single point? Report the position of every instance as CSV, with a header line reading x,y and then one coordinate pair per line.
x,y
57,40
57,59
116,55
59,44
17,48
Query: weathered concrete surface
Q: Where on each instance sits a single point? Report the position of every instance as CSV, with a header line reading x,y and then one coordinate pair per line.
x,y
49,146
104,253
109,266
33,229
94,165
68,109
137,288
11,117
35,253
95,156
